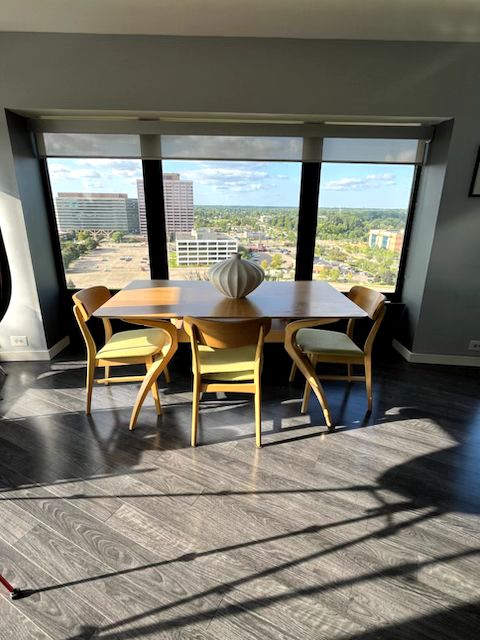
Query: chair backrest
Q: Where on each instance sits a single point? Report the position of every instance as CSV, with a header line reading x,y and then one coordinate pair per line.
x,y
91,299
86,302
224,334
367,299
373,303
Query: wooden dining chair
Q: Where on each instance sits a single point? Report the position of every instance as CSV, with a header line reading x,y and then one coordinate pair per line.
x,y
321,345
227,356
153,348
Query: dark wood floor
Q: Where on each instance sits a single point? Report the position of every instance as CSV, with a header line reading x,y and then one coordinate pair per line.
x,y
371,532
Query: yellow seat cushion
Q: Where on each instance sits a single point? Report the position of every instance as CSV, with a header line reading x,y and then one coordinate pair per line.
x,y
134,344
232,365
330,343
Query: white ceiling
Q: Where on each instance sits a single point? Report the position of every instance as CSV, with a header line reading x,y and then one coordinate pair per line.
x,y
430,20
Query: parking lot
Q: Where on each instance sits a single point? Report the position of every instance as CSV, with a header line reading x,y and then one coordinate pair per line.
x,y
111,264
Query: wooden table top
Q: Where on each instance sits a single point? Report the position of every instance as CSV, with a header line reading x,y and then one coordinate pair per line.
x,y
180,298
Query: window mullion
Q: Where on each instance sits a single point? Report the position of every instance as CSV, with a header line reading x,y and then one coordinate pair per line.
x,y
407,234
307,220
155,217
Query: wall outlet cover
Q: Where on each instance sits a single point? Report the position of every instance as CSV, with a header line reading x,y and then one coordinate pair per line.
x,y
474,345
19,341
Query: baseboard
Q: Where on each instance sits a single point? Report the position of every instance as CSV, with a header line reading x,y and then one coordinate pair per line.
x,y
32,356
435,358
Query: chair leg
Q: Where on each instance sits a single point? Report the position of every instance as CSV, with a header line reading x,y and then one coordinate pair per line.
x,y
306,398
150,378
258,418
293,371
308,370
368,382
107,373
156,397
155,393
90,376
166,373
308,389
349,372
197,385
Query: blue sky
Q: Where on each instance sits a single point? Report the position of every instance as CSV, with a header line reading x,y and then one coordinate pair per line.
x,y
245,183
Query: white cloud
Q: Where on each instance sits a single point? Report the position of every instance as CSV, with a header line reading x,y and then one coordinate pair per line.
x,y
110,162
96,173
58,170
371,181
84,173
241,178
93,185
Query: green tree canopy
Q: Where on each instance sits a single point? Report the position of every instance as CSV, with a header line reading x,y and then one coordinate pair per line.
x,y
118,236
277,261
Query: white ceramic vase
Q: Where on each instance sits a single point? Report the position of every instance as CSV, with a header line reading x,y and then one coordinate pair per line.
x,y
236,278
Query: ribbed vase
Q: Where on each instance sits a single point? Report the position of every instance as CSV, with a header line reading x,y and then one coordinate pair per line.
x,y
236,278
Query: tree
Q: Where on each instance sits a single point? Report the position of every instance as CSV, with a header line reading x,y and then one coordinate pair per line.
x,y
83,235
277,261
244,251
90,244
117,236
334,274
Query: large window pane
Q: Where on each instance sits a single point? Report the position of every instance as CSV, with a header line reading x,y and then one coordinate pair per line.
x,y
96,206
216,208
361,223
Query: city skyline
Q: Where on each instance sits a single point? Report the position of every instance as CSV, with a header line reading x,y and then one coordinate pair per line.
x,y
237,183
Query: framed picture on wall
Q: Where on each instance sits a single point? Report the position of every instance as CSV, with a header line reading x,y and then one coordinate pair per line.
x,y
475,185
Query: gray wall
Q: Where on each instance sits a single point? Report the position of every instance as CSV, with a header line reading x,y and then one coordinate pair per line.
x,y
54,71
38,226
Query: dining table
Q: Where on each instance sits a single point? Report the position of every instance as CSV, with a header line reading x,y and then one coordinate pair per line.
x,y
291,306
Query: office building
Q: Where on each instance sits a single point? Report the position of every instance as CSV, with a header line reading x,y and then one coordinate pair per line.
x,y
93,211
178,198
132,216
383,239
203,247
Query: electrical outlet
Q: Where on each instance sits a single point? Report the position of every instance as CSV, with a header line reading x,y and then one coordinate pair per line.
x,y
474,345
19,341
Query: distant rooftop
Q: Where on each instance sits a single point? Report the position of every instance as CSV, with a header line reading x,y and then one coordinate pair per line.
x,y
92,195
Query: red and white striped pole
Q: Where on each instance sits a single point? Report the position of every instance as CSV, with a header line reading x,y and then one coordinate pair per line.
x,y
14,593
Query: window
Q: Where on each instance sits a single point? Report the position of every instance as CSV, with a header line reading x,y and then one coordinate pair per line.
x,y
362,215
216,208
97,212
231,187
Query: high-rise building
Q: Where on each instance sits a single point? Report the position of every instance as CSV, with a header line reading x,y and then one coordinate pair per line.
x,y
178,197
132,215
94,211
